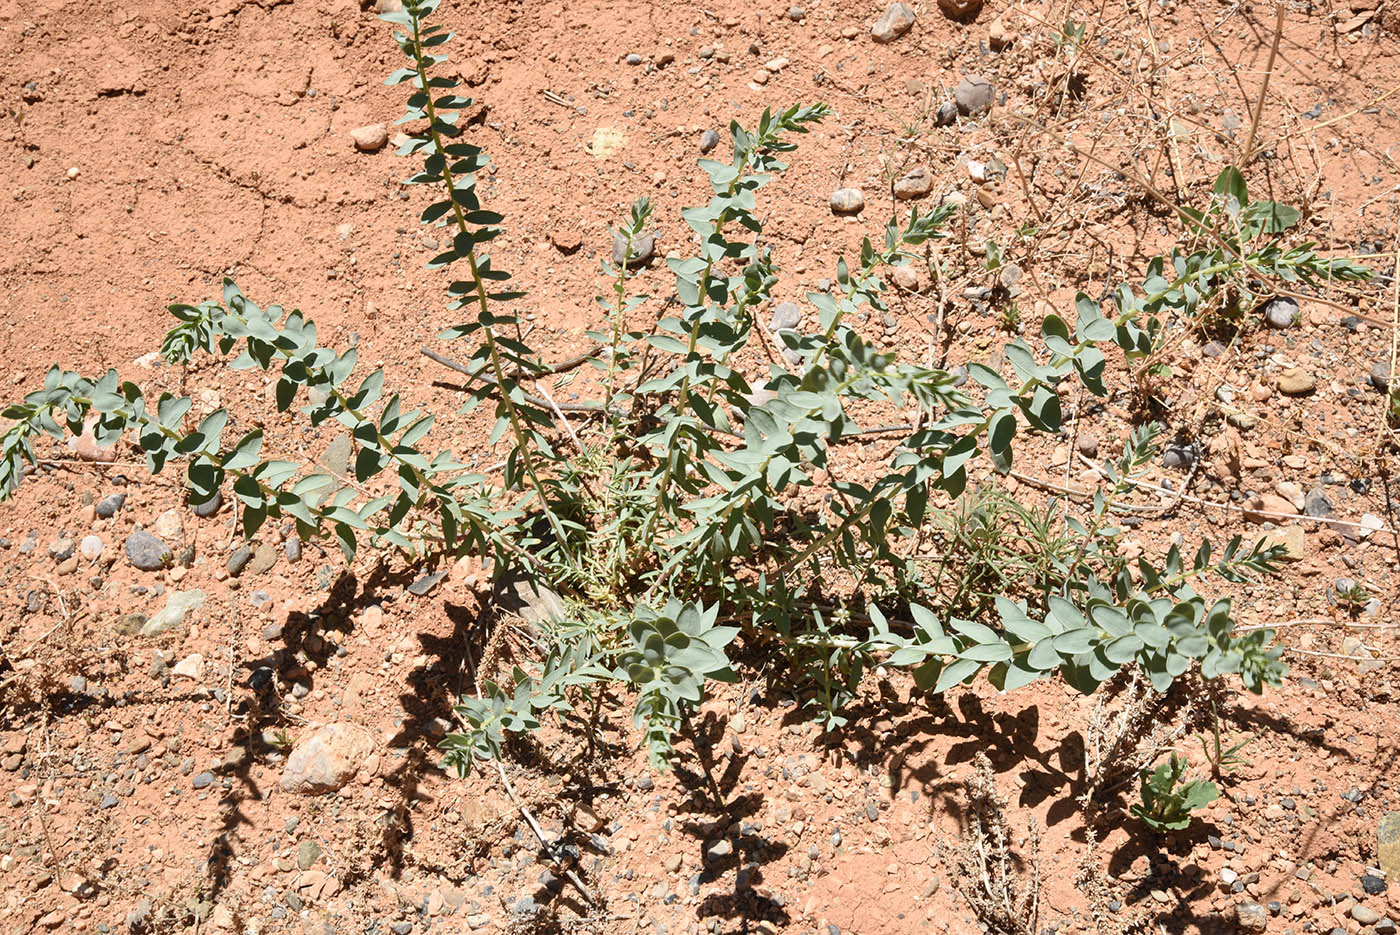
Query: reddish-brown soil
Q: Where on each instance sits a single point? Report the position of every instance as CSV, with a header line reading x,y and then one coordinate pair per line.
x,y
151,149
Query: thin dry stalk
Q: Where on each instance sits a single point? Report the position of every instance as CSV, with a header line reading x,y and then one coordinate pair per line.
x,y
1248,151
984,867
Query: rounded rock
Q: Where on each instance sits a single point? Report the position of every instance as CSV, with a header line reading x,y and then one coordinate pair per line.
x,y
146,552
327,759
947,113
1251,917
708,141
915,183
847,201
643,247
1281,312
209,507
786,316
370,138
974,95
1365,914
239,560
1379,377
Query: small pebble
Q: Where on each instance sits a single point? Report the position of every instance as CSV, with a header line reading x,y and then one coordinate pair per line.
x,y
108,506
1281,312
847,201
974,95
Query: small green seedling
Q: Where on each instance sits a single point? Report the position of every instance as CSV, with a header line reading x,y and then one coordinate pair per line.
x,y
1223,760
1167,802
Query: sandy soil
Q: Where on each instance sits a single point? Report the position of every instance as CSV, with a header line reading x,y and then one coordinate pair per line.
x,y
151,149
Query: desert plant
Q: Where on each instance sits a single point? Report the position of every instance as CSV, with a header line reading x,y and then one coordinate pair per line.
x,y
1244,254
679,517
1223,760
1168,799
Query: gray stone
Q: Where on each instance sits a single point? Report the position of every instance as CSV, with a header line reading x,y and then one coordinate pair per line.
x,y
1179,457
947,113
209,507
1315,503
915,183
786,315
307,854
708,141
895,23
718,850
796,14
1365,914
528,599
847,201
1379,377
424,585
643,247
91,547
975,95
1372,884
203,780
1281,312
327,759
238,560
1251,917
336,460
61,550
147,552
108,801
292,549
108,506
77,685
634,59
177,607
